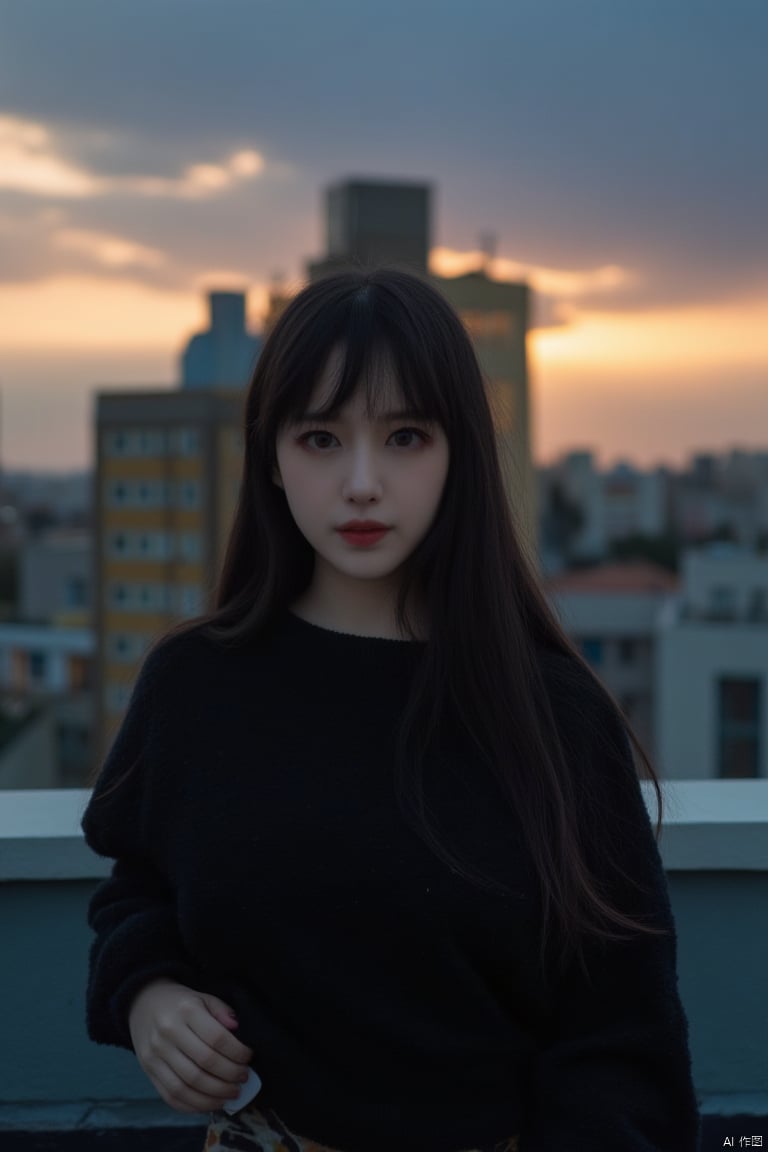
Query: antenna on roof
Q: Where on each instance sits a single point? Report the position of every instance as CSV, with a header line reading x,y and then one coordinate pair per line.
x,y
489,243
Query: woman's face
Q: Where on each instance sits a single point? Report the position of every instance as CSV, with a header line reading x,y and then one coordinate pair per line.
x,y
392,470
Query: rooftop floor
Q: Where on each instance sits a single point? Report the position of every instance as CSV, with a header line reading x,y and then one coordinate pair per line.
x,y
60,1092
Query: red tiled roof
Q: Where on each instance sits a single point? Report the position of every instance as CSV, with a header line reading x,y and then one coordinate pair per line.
x,y
635,576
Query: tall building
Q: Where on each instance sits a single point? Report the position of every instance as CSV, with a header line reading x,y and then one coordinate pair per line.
x,y
167,481
224,355
169,463
496,315
373,222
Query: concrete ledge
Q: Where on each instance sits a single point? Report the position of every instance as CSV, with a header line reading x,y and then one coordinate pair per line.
x,y
709,825
40,837
736,1104
85,1115
737,1114
712,825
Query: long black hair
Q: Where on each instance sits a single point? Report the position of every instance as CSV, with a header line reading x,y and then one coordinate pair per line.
x,y
488,621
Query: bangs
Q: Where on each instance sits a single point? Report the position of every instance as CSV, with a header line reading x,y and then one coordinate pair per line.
x,y
376,345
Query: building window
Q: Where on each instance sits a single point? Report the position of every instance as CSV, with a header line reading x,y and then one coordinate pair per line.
x,y
118,697
627,650
117,493
628,704
189,599
739,727
135,442
188,494
128,647
38,663
186,441
151,442
758,605
77,592
118,595
140,545
137,597
190,546
723,602
144,494
592,650
121,646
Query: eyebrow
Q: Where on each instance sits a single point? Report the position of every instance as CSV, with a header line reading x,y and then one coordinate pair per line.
x,y
384,418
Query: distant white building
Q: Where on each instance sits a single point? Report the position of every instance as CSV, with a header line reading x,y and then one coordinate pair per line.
x,y
56,578
610,612
582,485
47,656
620,502
687,658
729,491
41,660
46,705
711,716
68,495
634,502
715,495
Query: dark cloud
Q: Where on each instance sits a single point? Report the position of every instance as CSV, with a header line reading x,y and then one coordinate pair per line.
x,y
583,135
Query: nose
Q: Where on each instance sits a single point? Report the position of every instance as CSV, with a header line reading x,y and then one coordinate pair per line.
x,y
362,480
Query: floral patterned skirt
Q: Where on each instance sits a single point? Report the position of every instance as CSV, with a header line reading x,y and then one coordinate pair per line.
x,y
262,1130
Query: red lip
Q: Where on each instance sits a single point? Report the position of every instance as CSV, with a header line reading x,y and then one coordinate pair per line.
x,y
363,526
364,538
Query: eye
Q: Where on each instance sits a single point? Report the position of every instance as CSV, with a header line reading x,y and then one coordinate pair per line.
x,y
412,432
307,436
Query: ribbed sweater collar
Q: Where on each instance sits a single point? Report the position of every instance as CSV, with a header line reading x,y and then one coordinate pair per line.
x,y
349,642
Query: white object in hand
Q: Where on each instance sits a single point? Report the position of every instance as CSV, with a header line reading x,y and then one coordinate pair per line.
x,y
250,1088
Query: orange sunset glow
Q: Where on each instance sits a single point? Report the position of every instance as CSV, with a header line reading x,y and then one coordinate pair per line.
x,y
634,212
594,376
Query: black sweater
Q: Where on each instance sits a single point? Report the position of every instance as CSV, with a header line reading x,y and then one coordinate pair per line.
x,y
261,856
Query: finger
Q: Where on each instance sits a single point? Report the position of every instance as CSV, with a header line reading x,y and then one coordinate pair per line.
x,y
199,1079
191,1015
182,1096
208,1029
176,1045
219,1010
207,1059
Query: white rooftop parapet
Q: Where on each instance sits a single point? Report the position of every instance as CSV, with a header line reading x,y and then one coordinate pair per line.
x,y
712,825
40,837
709,825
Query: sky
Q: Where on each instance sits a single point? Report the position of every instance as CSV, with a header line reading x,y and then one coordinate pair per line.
x,y
151,150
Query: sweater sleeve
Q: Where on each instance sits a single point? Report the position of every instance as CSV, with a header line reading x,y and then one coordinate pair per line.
x,y
616,1072
133,912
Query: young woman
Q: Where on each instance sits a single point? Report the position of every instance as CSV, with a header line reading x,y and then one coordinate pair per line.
x,y
377,828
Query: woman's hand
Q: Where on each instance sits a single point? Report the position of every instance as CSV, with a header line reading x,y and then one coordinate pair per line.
x,y
183,1041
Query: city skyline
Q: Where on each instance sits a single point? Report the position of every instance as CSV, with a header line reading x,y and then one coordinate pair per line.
x,y
617,160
